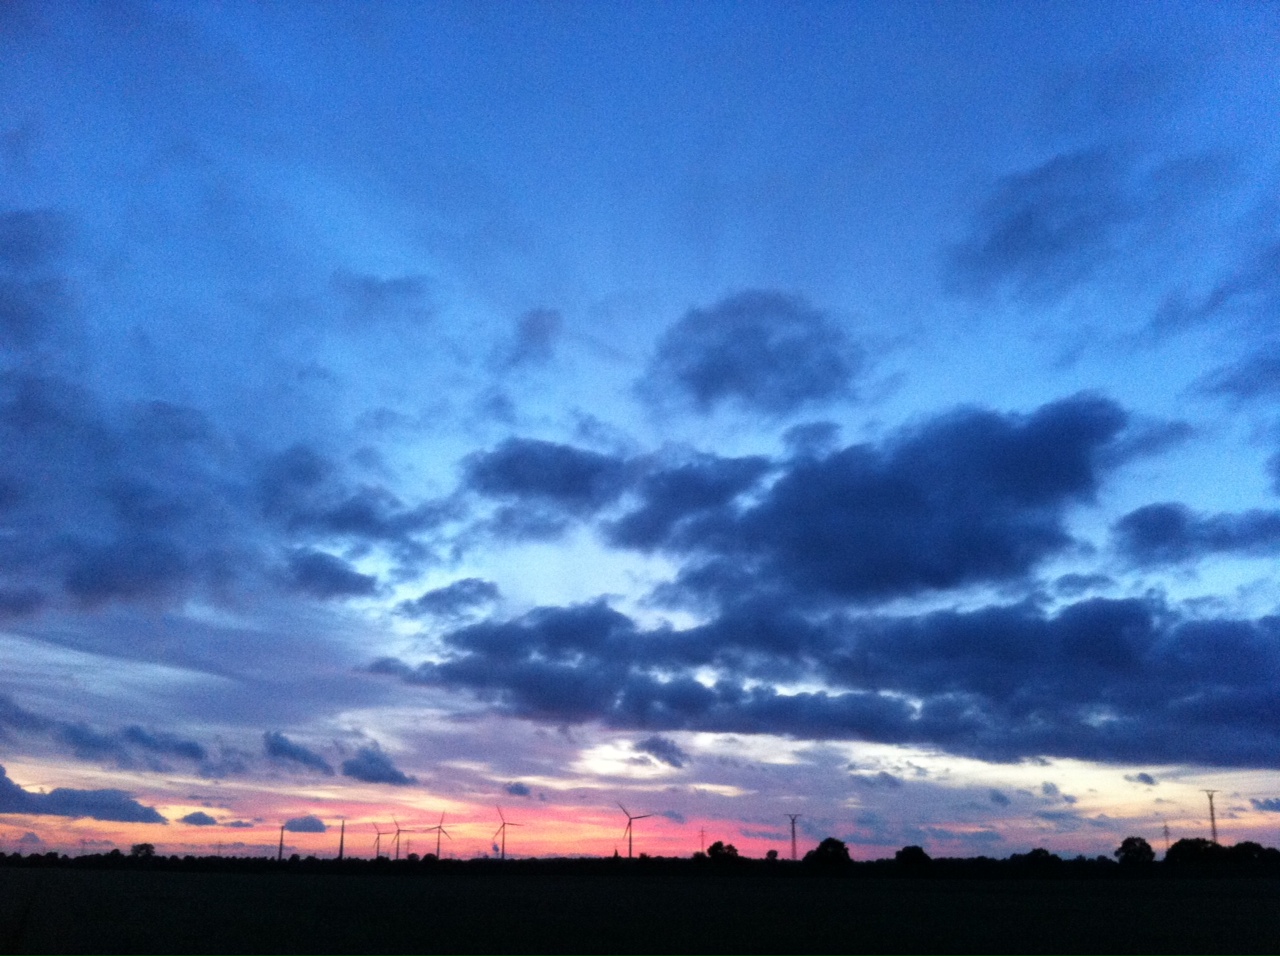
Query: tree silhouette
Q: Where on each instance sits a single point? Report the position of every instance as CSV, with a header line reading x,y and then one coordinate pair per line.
x,y
721,852
1135,851
830,854
912,858
143,850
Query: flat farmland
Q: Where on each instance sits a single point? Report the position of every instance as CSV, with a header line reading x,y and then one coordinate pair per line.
x,y
113,911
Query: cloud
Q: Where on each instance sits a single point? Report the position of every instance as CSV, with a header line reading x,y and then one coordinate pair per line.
x,y
966,497
1246,295
239,825
126,748
368,299
877,781
307,824
198,819
326,576
1143,778
371,765
166,744
1256,376
279,747
452,601
517,789
1113,680
1168,533
1041,231
673,816
34,295
664,749
679,501
569,479
107,805
1268,805
535,338
998,798
760,351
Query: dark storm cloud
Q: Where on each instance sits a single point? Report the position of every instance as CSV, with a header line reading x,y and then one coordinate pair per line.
x,y
198,819
574,480
1122,681
664,749
761,351
1043,230
279,747
326,576
109,805
371,765
453,600
307,824
965,497
1168,533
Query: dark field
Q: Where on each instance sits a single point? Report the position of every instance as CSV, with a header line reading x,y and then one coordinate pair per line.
x,y
70,911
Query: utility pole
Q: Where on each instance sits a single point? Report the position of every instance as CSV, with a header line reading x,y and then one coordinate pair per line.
x,y
702,840
793,817
1166,839
1213,820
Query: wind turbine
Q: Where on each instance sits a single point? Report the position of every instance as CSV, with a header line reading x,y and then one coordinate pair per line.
x,y
342,838
502,830
377,843
280,851
398,832
439,828
794,817
630,820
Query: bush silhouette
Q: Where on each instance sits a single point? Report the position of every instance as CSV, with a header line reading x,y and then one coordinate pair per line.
x,y
830,854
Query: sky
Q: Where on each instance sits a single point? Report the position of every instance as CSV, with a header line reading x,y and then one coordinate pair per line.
x,y
721,410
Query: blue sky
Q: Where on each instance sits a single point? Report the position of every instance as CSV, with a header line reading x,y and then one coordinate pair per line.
x,y
731,410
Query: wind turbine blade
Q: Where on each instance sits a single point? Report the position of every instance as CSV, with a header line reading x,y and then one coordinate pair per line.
x,y
625,810
645,817
500,816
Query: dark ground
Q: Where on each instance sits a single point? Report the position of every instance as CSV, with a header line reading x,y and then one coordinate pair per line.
x,y
103,911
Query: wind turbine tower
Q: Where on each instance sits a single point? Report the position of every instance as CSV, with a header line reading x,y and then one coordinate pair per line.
x,y
398,832
794,817
377,843
502,831
342,838
280,849
628,833
439,828
1213,819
